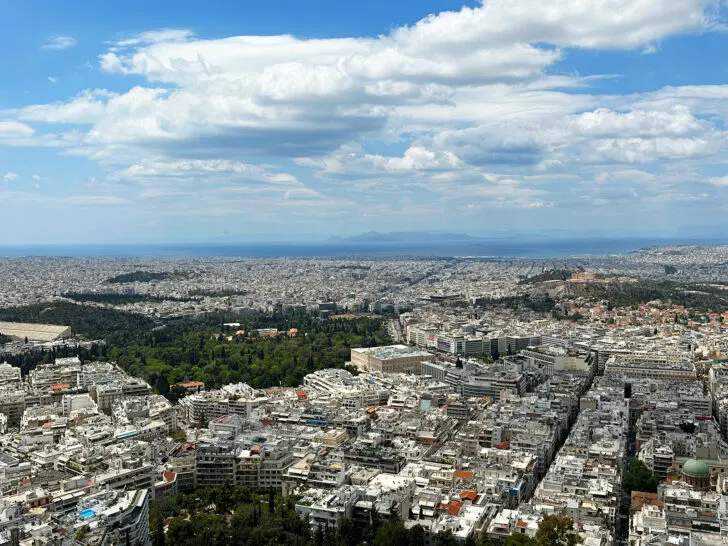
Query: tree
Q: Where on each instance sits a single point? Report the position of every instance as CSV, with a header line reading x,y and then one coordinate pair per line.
x,y
639,478
416,535
162,384
347,532
179,436
392,533
271,500
517,539
687,428
318,536
483,540
328,534
223,497
444,538
556,531
158,539
176,393
82,532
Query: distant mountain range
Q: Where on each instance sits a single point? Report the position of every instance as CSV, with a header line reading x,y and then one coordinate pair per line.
x,y
406,237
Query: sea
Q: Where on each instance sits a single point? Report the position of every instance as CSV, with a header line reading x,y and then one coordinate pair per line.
x,y
537,248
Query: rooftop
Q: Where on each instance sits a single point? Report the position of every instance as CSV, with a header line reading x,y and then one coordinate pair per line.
x,y
392,351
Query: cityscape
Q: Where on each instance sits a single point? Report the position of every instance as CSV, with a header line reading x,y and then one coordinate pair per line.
x,y
452,400
412,273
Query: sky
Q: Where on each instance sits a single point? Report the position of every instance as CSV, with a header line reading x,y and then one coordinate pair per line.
x,y
286,120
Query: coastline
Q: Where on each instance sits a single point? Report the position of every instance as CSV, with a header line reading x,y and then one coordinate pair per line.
x,y
540,248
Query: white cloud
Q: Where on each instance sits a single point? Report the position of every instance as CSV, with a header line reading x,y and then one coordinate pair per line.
x,y
625,175
96,200
415,158
602,122
35,177
189,168
87,107
458,95
155,36
617,24
14,129
58,43
9,177
551,140
641,150
52,79
294,97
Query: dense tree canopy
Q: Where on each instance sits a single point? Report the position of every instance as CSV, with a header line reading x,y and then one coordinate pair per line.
x,y
549,275
699,297
540,304
201,348
556,531
113,298
238,516
218,356
138,276
517,539
639,478
89,321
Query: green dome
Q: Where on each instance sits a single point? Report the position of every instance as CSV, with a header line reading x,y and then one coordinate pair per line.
x,y
696,469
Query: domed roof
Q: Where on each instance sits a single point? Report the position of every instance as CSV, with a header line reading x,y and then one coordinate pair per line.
x,y
696,469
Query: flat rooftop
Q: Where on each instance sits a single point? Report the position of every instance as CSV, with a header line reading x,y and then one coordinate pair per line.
x,y
650,365
392,351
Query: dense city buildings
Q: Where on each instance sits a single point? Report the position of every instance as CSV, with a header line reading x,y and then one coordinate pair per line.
x,y
494,401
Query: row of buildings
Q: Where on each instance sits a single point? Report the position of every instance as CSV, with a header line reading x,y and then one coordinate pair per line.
x,y
463,446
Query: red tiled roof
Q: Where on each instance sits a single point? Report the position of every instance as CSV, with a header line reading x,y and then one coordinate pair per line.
x,y
640,498
454,508
467,494
464,475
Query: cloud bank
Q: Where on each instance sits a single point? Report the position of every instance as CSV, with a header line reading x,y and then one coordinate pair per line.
x,y
462,109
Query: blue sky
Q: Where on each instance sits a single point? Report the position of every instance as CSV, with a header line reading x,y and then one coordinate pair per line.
x,y
230,121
